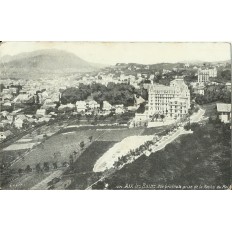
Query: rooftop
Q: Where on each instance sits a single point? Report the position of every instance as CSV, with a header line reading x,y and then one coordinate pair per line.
x,y
223,107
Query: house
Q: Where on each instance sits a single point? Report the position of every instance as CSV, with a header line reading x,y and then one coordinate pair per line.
x,y
224,112
81,106
41,112
5,134
106,106
48,104
199,90
10,118
4,113
228,86
132,108
22,98
93,105
13,90
6,91
7,104
70,105
65,108
18,123
3,124
119,109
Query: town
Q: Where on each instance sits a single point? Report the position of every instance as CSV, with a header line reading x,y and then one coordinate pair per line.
x,y
48,125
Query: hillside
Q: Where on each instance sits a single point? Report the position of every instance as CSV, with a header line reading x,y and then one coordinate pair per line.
x,y
43,61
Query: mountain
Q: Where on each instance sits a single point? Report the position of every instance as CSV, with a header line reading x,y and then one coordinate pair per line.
x,y
44,61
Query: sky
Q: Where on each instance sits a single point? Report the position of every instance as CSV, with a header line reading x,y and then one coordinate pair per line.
x,y
120,52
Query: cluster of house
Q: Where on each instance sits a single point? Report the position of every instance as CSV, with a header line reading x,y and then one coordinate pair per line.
x,y
18,120
89,107
106,78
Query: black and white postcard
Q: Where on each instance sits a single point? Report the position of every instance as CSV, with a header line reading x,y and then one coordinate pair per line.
x,y
115,116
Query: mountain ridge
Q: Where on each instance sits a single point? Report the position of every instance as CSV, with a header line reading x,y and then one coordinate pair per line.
x,y
47,60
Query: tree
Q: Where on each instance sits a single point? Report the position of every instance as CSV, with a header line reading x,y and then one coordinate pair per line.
x,y
20,171
162,117
71,160
156,116
28,169
82,144
38,168
46,167
55,165
90,138
45,136
2,87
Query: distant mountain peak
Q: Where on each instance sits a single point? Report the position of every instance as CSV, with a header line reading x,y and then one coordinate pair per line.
x,y
46,60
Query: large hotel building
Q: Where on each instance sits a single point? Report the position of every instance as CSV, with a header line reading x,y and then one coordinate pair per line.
x,y
172,101
205,74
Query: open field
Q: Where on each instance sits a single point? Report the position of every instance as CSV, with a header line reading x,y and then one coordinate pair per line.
x,y
58,148
155,130
26,181
120,134
10,156
81,175
73,128
88,158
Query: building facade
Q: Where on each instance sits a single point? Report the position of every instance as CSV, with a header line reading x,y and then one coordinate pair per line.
x,y
171,101
205,74
224,112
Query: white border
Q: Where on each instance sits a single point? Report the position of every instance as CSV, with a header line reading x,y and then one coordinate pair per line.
x,y
120,20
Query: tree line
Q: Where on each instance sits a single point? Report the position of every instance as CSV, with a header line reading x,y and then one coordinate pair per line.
x,y
214,94
113,93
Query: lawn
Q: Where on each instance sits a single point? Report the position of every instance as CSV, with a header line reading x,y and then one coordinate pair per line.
x,y
88,158
120,134
82,174
61,145
57,148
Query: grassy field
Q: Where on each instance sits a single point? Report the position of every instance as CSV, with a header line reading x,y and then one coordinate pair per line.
x,y
58,147
155,130
82,174
120,134
91,154
26,181
9,156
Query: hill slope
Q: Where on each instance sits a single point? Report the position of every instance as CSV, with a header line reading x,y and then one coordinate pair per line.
x,y
44,61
